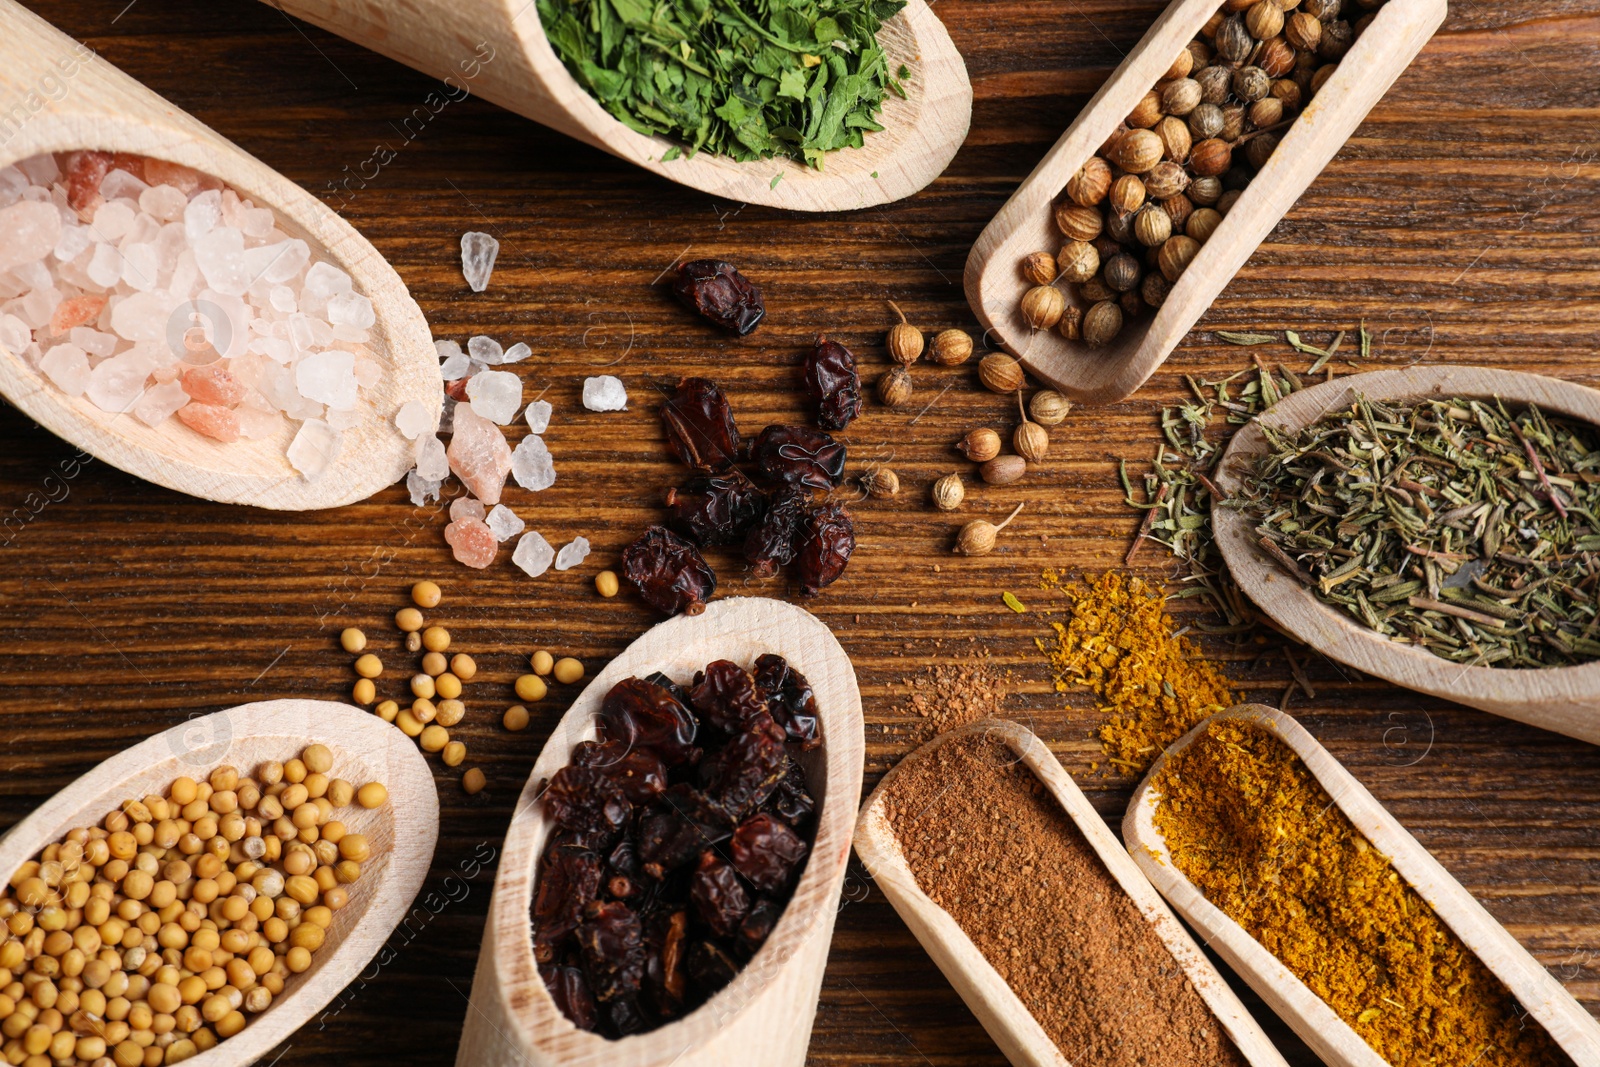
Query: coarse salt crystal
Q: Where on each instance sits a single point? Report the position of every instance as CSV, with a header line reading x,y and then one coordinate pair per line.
x,y
118,184
538,416
573,554
412,419
504,524
115,383
516,353
28,231
159,403
532,465
314,449
351,309
68,367
466,507
432,462
328,378
164,202
496,395
484,349
605,393
446,349
478,253
421,489
533,554
479,455
323,280
113,220
203,212
472,542
455,368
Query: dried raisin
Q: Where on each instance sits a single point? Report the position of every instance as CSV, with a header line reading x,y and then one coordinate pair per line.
x,y
669,572
700,427
800,456
716,510
720,295
766,851
831,379
830,539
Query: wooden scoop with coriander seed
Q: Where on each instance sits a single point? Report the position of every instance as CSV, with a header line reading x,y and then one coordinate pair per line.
x,y
401,832
1563,699
1006,1018
763,1017
1551,1006
86,103
995,281
498,50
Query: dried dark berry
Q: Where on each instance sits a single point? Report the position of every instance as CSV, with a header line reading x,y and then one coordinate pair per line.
x,y
640,714
679,693
569,878
700,427
766,851
716,510
636,770
830,539
613,950
586,801
800,456
726,696
773,542
669,572
757,925
674,829
718,896
622,877
749,767
791,801
666,987
720,294
831,378
710,968
790,700
625,1016
570,990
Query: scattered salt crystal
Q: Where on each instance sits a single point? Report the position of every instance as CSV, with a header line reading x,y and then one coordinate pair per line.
x,y
472,542
159,403
605,393
455,368
572,555
531,464
432,463
257,423
533,554
478,252
116,383
313,449
68,367
516,353
446,349
219,424
203,212
504,524
328,378
412,419
421,489
496,395
28,231
479,455
539,416
484,349
466,507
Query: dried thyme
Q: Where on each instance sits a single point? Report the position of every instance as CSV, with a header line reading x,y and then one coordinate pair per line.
x,y
1461,526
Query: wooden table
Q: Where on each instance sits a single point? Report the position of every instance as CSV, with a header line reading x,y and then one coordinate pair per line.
x,y
1459,223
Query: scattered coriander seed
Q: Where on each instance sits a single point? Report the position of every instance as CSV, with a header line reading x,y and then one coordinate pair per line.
x,y
948,492
1049,408
1031,440
436,639
606,584
530,687
881,483
408,620
426,595
387,710
448,685
450,712
541,662
1003,470
950,348
980,446
372,795
473,782
515,718
433,738
568,670
369,665
422,685
352,640
435,663
453,754
463,666
904,341
977,538
1000,373
894,387
363,692
1039,268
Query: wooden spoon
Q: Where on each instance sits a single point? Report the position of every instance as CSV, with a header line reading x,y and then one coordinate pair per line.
x,y
997,1007
1562,699
1566,1021
1026,224
498,49
365,749
763,1017
86,103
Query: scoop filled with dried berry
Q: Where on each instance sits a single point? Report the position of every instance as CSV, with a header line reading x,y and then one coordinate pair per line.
x,y
680,848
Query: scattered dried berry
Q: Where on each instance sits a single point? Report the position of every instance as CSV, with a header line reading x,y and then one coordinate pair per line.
x,y
700,427
669,572
831,379
830,538
772,543
716,510
800,456
720,295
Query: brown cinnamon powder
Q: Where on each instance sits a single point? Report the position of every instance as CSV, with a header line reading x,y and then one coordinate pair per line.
x,y
992,847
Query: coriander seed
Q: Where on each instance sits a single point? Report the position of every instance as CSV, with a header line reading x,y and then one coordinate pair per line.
x,y
1205,122
1137,151
1088,188
352,640
980,445
1276,57
1031,440
1003,470
1181,66
1205,191
977,538
1264,20
1233,40
1078,261
1042,306
1181,96
1215,85
1071,324
1127,194
1000,373
1154,289
951,348
1251,83
905,340
1166,181
1039,268
1080,223
1122,272
894,387
1102,323
1176,255
881,484
1152,226
1178,209
1175,135
948,492
1145,114
1049,408
1211,158
1203,223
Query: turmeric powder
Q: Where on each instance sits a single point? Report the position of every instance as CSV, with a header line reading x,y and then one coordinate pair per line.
x,y
1154,684
1250,826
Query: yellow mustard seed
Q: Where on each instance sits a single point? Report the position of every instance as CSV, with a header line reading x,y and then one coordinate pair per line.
x,y
463,666
409,724
387,710
318,758
363,692
372,795
453,754
426,595
473,781
425,711
422,685
515,718
409,620
340,793
436,639
531,687
434,738
605,583
434,664
449,686
352,640
450,712
369,666
542,662
568,670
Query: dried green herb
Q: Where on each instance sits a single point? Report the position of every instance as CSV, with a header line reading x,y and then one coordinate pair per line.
x,y
750,79
1461,526
1013,603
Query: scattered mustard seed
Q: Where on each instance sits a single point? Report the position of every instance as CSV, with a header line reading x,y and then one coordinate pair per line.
x,y
385,711
453,754
531,687
409,620
542,662
568,670
463,666
605,583
369,666
449,686
434,738
473,782
515,718
372,795
352,640
436,639
435,664
450,712
426,595
422,685
363,692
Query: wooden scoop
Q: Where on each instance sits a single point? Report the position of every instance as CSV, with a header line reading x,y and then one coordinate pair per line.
x,y
1566,1021
498,49
365,749
85,103
763,1017
1563,699
997,1007
1026,223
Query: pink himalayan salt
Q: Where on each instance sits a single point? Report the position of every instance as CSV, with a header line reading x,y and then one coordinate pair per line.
x,y
473,543
160,172
212,384
479,455
85,172
212,421
76,311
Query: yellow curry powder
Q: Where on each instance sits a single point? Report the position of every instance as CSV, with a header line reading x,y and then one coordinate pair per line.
x,y
1250,826
1153,684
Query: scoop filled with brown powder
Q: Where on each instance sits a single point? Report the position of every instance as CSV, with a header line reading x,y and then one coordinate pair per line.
x,y
990,845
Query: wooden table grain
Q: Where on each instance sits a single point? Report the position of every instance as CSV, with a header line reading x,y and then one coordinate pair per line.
x,y
1459,223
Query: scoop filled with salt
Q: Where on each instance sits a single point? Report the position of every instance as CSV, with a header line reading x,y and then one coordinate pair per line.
x,y
173,306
